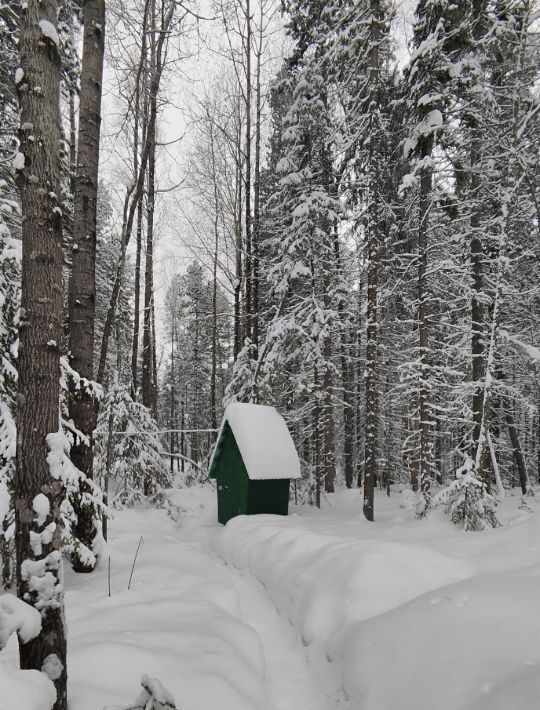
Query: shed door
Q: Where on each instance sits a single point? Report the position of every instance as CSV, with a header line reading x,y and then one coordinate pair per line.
x,y
232,482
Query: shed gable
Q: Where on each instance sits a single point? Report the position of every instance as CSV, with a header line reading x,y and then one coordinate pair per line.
x,y
263,439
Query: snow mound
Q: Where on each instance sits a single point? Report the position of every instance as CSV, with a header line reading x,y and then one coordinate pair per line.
x,y
403,613
17,617
22,690
469,646
326,584
25,690
323,583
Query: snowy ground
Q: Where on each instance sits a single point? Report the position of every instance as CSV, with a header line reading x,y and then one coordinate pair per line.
x,y
320,610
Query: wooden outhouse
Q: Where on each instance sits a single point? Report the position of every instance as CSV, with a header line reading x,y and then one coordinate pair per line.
x,y
253,462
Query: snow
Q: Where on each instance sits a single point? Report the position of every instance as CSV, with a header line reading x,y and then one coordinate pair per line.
x,y
532,351
318,610
43,578
434,119
19,75
157,691
18,161
49,30
486,653
52,667
5,499
377,605
38,539
23,690
264,441
178,623
17,617
41,505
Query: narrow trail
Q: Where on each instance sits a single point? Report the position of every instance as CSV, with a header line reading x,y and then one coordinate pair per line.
x,y
291,683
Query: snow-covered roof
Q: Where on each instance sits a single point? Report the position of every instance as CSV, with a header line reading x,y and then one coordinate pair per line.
x,y
264,441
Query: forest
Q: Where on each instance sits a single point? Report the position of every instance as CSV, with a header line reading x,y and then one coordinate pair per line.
x,y
331,207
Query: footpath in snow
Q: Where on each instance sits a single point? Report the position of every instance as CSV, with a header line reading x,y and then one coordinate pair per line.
x,y
207,631
317,611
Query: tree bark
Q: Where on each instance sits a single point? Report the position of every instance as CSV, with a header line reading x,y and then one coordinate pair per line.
x,y
373,237
148,396
517,451
139,85
82,285
239,270
477,310
247,196
40,335
256,227
424,412
213,371
137,305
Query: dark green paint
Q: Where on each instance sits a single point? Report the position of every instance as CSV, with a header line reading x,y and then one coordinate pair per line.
x,y
237,494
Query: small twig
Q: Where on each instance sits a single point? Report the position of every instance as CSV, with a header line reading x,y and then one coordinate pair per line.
x,y
141,541
109,575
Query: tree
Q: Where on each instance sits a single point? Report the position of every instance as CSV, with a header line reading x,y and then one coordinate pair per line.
x,y
135,188
39,486
129,463
82,285
197,320
438,43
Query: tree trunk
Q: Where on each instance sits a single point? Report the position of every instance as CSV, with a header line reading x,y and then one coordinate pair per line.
x,y
373,237
109,460
538,441
477,311
213,372
239,269
6,553
247,196
40,335
140,86
317,434
256,227
137,306
348,412
82,285
328,424
359,381
424,412
148,397
517,451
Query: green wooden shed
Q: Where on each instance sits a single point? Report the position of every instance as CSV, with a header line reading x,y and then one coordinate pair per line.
x,y
253,462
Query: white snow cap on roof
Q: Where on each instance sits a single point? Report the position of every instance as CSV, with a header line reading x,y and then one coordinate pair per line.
x,y
264,441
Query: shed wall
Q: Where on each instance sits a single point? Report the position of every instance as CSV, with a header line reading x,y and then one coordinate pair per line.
x,y
271,496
